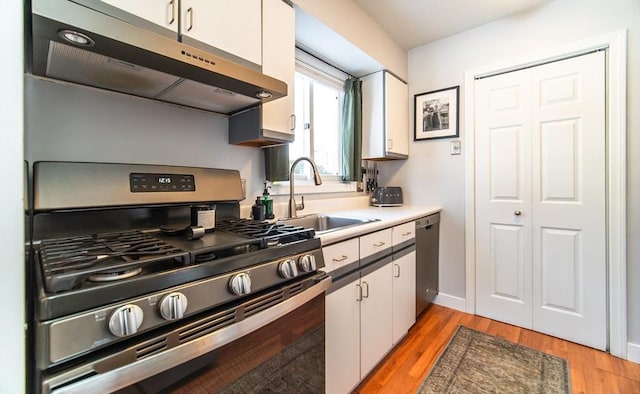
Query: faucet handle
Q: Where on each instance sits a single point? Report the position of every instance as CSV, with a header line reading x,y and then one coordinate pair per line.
x,y
300,207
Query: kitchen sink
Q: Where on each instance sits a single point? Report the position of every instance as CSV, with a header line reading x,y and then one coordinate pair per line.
x,y
322,223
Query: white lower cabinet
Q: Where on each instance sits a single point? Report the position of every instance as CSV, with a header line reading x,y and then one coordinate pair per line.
x,y
358,329
404,295
375,324
342,339
371,308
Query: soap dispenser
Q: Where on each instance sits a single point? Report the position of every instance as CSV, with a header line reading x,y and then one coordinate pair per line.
x,y
267,201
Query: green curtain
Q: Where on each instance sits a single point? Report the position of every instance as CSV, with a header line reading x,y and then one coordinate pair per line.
x,y
276,163
352,131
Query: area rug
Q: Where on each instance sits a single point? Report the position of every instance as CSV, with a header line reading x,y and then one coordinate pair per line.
x,y
474,362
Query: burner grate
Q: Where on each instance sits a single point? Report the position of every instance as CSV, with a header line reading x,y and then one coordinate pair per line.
x,y
68,261
271,234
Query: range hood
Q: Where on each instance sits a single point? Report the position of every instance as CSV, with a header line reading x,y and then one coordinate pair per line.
x,y
115,54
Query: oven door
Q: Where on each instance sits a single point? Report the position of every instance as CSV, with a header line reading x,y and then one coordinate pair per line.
x,y
271,342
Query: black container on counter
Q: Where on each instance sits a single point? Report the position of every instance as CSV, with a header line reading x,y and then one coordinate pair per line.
x,y
258,210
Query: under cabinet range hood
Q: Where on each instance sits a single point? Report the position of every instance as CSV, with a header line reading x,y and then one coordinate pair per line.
x,y
110,52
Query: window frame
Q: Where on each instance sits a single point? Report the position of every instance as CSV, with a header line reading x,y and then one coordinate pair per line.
x,y
319,72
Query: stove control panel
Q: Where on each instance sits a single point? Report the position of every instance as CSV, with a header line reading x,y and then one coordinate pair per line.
x,y
145,182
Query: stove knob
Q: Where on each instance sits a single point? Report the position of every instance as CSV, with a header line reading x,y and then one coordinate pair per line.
x,y
287,269
307,263
126,320
173,306
240,284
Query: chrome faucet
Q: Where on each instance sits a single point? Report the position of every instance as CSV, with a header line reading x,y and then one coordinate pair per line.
x,y
293,207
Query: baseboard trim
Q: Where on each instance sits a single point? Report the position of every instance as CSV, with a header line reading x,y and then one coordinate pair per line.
x,y
633,352
451,302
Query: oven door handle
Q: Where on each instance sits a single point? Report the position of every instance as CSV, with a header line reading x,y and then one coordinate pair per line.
x,y
85,378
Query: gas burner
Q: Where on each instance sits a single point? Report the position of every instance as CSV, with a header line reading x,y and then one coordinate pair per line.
x,y
66,262
110,276
202,257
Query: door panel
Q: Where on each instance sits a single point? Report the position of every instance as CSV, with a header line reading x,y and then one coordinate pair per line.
x,y
505,164
540,199
503,265
561,270
507,262
560,160
569,218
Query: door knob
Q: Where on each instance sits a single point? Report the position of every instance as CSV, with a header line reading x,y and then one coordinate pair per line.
x,y
517,212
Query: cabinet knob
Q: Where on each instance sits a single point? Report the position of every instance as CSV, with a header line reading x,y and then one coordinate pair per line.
x,y
517,212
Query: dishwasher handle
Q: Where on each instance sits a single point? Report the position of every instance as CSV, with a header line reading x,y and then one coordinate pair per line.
x,y
428,221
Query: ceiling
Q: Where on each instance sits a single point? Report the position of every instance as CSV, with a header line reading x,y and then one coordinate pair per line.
x,y
412,23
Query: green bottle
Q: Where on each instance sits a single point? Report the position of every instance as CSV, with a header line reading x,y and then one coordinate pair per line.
x,y
267,201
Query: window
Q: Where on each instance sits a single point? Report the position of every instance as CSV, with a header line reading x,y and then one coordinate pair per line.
x,y
318,109
317,130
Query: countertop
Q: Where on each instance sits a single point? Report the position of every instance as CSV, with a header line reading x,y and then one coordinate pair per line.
x,y
388,217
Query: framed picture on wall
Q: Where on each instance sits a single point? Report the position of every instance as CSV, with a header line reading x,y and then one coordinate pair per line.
x,y
436,114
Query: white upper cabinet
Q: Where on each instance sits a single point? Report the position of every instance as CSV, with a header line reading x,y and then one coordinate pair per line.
x,y
232,26
162,13
278,61
385,117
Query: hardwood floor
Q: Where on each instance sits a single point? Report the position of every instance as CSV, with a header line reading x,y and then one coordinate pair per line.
x,y
403,370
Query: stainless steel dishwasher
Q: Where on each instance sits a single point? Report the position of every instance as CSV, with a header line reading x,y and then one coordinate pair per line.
x,y
427,242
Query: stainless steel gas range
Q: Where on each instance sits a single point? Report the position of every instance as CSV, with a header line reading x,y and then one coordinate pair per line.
x,y
130,295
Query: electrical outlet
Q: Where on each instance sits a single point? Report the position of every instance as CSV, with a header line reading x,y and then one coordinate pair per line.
x,y
455,147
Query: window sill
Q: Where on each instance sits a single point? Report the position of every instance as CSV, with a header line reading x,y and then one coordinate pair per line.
x,y
302,187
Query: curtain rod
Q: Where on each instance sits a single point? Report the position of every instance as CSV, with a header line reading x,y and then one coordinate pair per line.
x,y
324,61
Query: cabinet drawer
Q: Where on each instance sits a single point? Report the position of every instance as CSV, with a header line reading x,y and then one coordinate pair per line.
x,y
404,232
340,255
377,242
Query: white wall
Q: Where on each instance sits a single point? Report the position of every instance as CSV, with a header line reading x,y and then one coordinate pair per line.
x,y
12,355
432,177
73,123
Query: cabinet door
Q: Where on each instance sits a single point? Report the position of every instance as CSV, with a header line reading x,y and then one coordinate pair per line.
x,y
372,116
404,294
232,26
342,339
397,115
375,312
162,13
278,61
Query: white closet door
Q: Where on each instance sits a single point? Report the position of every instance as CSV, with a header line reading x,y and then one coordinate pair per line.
x,y
503,189
569,219
540,199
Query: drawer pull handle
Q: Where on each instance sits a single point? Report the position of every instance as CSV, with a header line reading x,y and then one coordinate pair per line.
x,y
190,14
172,5
365,287
406,234
359,295
342,258
379,244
